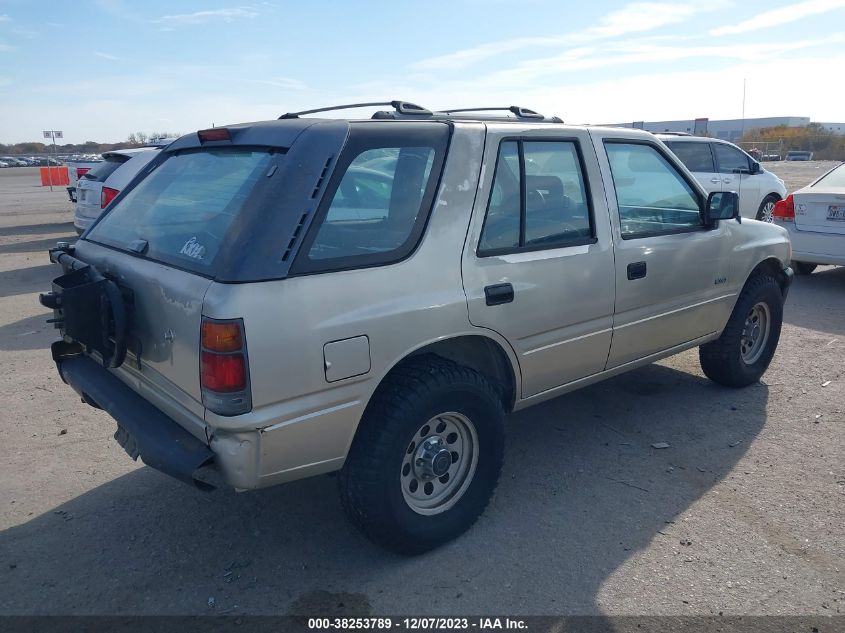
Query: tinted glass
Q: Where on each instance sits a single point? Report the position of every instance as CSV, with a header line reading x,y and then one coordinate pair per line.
x,y
376,204
835,178
184,208
101,171
651,194
729,158
556,207
695,156
501,226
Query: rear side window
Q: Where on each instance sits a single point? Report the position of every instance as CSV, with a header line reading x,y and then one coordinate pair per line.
x,y
539,199
103,170
182,211
695,156
378,201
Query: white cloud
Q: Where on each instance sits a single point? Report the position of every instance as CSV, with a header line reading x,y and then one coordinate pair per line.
x,y
636,17
7,48
106,56
201,17
5,17
783,15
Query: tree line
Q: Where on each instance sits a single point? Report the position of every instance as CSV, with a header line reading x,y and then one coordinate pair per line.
x,y
135,139
825,144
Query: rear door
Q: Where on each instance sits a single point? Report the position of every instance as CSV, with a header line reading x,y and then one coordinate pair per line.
x,y
159,242
538,263
697,156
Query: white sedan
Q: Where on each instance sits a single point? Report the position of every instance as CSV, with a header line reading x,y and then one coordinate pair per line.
x,y
815,219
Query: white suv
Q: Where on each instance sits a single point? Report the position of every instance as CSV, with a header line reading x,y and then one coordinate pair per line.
x,y
722,166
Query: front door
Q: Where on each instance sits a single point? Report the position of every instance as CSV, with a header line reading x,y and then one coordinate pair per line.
x,y
671,270
735,168
538,263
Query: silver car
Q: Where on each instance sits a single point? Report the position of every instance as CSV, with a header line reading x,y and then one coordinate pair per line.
x,y
277,300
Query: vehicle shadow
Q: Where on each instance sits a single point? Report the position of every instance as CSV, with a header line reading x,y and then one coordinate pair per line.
x,y
37,229
30,333
26,280
43,244
817,301
582,490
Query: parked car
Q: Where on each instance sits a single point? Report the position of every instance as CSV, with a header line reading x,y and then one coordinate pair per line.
x,y
4,164
257,307
100,184
722,166
799,155
12,161
815,219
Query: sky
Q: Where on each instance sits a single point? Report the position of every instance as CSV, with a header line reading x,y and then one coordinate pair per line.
x,y
100,69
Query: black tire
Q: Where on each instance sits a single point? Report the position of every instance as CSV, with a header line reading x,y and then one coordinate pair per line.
x,y
762,213
371,482
803,268
722,360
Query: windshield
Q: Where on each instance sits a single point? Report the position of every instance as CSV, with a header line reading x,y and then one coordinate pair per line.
x,y
103,170
181,212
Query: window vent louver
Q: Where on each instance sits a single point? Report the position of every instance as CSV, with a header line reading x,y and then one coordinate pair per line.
x,y
294,237
321,178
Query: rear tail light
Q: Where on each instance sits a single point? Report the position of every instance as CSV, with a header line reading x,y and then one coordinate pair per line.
x,y
784,210
214,134
107,196
224,373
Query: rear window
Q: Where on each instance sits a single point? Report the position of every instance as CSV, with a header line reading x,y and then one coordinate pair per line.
x,y
103,170
834,178
695,156
184,208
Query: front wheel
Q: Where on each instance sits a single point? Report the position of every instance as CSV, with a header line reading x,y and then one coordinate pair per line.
x,y
741,355
426,457
764,213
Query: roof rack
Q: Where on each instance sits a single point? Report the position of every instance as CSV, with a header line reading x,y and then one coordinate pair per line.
x,y
516,112
401,107
673,133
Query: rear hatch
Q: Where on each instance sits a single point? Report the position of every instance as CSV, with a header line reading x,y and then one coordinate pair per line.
x,y
159,243
821,206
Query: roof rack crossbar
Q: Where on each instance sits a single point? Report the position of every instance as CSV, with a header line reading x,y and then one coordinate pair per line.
x,y
522,113
402,107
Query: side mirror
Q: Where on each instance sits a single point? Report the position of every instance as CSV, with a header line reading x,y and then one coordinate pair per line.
x,y
722,205
755,167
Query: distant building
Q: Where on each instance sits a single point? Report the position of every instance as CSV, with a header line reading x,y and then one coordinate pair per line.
x,y
728,129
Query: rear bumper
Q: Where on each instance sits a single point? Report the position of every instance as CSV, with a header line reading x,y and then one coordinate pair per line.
x,y
816,247
143,430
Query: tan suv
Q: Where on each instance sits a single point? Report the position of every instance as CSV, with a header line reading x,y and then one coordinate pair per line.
x,y
275,300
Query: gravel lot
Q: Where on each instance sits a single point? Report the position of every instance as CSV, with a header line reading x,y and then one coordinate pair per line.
x,y
742,514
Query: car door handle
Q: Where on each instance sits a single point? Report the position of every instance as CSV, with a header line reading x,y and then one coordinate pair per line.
x,y
637,270
498,294
715,181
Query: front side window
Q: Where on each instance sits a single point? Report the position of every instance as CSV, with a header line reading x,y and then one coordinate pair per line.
x,y
651,195
538,200
730,159
695,156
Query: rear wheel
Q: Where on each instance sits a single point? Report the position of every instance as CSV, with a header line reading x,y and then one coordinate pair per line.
x,y
426,457
803,268
764,213
741,355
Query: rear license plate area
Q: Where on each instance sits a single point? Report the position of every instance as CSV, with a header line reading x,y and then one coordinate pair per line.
x,y
836,213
